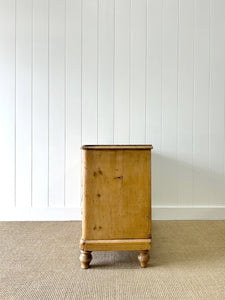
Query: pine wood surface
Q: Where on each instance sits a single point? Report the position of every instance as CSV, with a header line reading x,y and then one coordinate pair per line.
x,y
116,211
115,245
117,147
116,194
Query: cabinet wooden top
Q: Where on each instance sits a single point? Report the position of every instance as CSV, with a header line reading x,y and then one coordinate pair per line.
x,y
117,147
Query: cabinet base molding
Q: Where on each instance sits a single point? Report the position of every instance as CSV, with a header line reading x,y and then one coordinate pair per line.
x,y
141,245
115,245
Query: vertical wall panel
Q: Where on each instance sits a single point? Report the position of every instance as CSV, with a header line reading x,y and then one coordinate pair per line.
x,y
89,71
154,91
56,102
122,72
106,71
138,71
73,103
169,102
217,98
40,104
23,101
185,101
7,103
201,105
78,72
154,74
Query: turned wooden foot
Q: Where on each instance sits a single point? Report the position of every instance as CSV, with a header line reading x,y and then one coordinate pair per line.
x,y
143,258
85,259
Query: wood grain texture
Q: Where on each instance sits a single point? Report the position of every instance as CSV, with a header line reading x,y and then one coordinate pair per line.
x,y
117,147
116,194
115,245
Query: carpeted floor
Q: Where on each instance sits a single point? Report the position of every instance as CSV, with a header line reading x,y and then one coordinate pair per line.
x,y
39,260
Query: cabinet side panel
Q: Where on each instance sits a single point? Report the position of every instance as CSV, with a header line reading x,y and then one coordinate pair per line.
x,y
116,194
84,192
150,197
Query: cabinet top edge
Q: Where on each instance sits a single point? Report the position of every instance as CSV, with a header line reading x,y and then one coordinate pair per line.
x,y
117,147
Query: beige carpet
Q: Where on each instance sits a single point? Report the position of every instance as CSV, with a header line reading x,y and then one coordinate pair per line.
x,y
39,260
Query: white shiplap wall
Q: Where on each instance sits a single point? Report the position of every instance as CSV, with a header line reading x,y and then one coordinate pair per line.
x,y
78,72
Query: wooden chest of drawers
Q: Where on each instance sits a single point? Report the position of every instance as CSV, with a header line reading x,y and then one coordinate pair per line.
x,y
116,213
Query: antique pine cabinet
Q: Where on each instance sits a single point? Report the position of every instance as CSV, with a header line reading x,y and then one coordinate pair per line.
x,y
116,205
